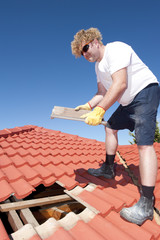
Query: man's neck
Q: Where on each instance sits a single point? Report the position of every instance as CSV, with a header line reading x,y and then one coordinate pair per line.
x,y
101,51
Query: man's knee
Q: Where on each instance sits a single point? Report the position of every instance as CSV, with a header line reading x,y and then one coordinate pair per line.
x,y
146,151
144,147
110,131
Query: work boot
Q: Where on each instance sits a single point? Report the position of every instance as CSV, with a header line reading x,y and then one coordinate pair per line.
x,y
105,170
140,212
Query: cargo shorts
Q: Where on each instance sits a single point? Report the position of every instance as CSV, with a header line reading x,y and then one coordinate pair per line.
x,y
139,115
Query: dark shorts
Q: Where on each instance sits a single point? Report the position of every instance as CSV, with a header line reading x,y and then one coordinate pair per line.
x,y
139,115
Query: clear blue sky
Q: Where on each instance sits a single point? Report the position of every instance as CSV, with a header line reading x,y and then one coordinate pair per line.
x,y
38,70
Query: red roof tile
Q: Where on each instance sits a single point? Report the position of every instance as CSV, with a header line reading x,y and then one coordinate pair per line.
x,y
6,190
12,173
3,233
98,203
60,234
22,188
132,230
31,155
108,230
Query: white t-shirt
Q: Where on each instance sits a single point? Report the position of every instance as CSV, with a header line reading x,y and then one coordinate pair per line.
x,y
119,55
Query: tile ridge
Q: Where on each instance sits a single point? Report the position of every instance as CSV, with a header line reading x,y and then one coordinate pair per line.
x,y
69,221
86,215
47,228
27,230
47,130
16,130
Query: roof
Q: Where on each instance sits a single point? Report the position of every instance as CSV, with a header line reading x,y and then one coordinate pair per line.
x,y
31,155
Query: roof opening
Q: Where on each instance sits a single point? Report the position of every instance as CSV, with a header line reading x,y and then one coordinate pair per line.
x,y
38,207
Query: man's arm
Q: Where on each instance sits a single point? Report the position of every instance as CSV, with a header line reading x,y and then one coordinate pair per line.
x,y
95,100
98,96
116,90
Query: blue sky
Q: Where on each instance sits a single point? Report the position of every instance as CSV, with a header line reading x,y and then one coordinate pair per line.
x,y
38,70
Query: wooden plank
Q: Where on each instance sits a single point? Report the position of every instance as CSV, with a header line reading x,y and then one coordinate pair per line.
x,y
70,114
5,207
27,217
14,219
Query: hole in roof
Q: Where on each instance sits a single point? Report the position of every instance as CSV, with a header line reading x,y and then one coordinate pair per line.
x,y
42,213
56,210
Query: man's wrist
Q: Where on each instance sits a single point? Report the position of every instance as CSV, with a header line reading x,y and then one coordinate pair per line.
x,y
101,107
99,111
90,105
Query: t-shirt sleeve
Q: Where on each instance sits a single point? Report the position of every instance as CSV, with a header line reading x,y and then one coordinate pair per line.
x,y
119,56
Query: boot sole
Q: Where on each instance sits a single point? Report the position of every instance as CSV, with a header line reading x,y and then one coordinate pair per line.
x,y
133,220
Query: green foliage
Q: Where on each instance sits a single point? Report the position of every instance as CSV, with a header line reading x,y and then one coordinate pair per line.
x,y
157,134
134,139
156,138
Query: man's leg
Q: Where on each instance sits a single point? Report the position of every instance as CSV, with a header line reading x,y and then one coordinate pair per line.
x,y
111,141
148,169
143,209
145,107
119,120
148,165
107,168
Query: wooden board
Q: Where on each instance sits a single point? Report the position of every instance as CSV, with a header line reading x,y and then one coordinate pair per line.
x,y
5,207
26,214
14,219
27,217
70,114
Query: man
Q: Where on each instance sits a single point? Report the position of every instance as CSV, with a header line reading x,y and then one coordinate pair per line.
x,y
123,77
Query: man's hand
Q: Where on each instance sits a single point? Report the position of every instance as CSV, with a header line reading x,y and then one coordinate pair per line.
x,y
86,106
95,117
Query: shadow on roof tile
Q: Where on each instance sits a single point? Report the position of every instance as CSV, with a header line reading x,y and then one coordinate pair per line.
x,y
120,179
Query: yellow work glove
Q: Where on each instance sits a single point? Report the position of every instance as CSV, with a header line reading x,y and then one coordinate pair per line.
x,y
86,106
95,117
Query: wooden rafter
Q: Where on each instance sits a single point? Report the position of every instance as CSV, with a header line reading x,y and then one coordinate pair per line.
x,y
5,207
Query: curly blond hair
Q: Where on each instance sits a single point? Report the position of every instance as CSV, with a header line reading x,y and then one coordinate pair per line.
x,y
84,36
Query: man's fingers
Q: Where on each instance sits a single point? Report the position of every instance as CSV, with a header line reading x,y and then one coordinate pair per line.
x,y
84,115
78,108
83,107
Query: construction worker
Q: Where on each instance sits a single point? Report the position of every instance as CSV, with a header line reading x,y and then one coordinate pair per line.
x,y
123,77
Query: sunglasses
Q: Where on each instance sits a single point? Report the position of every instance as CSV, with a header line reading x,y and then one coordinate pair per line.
x,y
86,47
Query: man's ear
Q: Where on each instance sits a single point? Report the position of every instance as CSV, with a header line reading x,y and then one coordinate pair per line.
x,y
96,42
